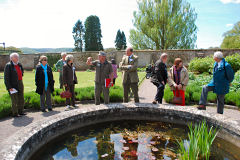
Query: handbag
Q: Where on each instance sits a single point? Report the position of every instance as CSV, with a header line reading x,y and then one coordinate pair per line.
x,y
177,100
65,94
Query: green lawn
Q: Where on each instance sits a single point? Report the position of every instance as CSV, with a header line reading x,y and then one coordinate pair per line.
x,y
85,79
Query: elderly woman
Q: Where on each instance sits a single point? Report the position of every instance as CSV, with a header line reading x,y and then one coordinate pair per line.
x,y
59,66
223,75
69,79
44,83
178,79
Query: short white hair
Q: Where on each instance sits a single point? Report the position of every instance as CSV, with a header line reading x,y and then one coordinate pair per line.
x,y
69,58
164,55
63,54
218,55
14,55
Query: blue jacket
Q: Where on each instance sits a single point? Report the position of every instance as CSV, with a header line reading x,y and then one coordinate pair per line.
x,y
221,78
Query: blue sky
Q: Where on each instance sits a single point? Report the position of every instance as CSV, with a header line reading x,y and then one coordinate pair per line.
x,y
48,23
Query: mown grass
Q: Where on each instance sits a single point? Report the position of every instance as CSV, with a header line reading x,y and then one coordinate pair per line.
x,y
84,91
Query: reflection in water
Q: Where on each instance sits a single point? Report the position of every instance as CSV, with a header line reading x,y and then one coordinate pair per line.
x,y
134,140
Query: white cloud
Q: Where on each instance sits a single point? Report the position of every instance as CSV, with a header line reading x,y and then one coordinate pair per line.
x,y
48,23
230,1
229,25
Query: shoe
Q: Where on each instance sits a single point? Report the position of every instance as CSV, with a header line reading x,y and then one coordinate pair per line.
x,y
154,102
49,109
22,114
201,107
16,115
75,106
43,110
68,108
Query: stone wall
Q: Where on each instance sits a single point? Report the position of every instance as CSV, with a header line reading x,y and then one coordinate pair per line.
x,y
146,57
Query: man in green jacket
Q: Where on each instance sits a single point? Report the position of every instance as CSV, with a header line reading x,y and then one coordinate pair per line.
x,y
128,65
59,67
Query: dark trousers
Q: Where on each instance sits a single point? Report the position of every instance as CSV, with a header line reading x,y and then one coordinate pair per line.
x,y
99,88
160,92
18,99
71,89
45,98
126,90
220,98
61,80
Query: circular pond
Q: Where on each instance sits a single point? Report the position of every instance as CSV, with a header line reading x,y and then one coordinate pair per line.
x,y
127,140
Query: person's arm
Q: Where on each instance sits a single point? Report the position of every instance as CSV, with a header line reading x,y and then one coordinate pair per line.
x,y
89,61
158,67
122,66
229,73
65,76
7,77
171,82
186,79
57,65
134,66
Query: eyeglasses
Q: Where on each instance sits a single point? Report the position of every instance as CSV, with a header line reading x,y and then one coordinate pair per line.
x,y
44,60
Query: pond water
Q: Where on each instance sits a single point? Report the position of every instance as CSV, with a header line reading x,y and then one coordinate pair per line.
x,y
127,140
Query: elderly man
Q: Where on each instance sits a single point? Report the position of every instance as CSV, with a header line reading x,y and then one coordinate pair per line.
x,y
59,67
223,75
13,74
159,78
103,71
128,65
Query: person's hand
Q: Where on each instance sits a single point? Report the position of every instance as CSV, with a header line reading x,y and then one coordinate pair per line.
x,y
58,70
175,86
11,89
110,84
163,83
179,86
89,60
129,66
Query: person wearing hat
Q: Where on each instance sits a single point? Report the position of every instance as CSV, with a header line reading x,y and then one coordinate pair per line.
x,y
223,75
103,71
128,65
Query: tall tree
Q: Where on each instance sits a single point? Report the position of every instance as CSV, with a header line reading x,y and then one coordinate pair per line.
x,y
232,37
164,24
120,41
93,34
78,33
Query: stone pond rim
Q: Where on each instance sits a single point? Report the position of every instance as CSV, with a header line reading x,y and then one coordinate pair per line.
x,y
28,140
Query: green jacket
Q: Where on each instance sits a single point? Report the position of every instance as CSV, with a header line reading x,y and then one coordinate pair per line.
x,y
129,69
59,65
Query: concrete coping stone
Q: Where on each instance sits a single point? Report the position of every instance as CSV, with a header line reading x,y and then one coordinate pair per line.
x,y
28,140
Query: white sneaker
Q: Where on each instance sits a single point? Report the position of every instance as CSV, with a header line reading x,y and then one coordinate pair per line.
x,y
68,108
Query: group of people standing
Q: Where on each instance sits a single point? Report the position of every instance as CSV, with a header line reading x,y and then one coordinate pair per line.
x,y
177,78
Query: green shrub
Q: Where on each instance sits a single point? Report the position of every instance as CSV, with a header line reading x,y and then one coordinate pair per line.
x,y
53,58
5,106
201,65
86,93
116,94
191,76
32,100
187,98
234,61
212,97
57,100
196,96
168,94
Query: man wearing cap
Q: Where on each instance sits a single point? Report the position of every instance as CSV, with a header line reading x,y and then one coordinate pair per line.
x,y
128,65
59,67
103,71
223,75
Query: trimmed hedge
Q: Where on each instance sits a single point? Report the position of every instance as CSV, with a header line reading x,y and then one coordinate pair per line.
x,y
32,99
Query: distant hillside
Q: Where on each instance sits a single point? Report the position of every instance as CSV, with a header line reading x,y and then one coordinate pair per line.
x,y
43,50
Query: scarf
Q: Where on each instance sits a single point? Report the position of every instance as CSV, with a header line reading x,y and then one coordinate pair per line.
x,y
46,76
177,74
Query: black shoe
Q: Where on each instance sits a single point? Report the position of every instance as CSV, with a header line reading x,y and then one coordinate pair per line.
x,y
23,114
43,110
154,102
49,109
16,115
201,107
